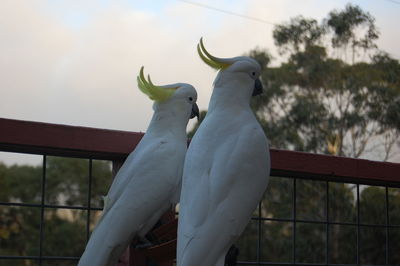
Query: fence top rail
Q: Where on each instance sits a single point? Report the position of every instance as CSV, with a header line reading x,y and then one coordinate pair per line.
x,y
63,140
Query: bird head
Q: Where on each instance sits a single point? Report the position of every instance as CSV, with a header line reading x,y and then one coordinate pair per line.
x,y
243,67
179,95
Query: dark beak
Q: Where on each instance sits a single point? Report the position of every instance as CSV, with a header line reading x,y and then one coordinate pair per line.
x,y
195,112
258,88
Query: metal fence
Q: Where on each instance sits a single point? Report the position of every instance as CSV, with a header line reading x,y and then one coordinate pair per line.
x,y
357,228
41,208
297,221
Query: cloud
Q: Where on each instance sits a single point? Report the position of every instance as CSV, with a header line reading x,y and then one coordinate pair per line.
x,y
88,76
56,67
29,49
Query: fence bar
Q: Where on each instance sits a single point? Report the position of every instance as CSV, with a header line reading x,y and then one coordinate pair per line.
x,y
89,201
294,218
358,224
327,224
42,222
51,206
387,225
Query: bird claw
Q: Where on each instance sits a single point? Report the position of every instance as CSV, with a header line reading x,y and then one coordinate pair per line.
x,y
143,243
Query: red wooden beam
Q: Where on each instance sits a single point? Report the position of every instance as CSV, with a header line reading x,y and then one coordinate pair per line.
x,y
53,139
310,165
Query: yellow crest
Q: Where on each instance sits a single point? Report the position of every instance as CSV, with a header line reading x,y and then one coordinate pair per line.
x,y
156,93
209,59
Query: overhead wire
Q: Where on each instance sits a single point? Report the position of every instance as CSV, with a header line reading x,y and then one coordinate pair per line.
x,y
394,1
228,12
250,17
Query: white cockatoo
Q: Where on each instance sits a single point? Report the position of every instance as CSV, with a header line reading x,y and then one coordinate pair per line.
x,y
226,168
149,181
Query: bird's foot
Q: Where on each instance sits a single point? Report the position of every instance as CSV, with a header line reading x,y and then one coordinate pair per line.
x,y
143,243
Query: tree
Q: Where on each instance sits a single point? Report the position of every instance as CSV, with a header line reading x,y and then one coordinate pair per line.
x,y
318,100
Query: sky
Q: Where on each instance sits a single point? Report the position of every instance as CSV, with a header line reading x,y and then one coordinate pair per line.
x,y
75,62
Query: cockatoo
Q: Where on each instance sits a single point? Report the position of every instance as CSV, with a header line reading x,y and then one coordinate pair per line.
x,y
149,181
226,168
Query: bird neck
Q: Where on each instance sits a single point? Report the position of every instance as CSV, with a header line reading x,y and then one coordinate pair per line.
x,y
230,94
167,121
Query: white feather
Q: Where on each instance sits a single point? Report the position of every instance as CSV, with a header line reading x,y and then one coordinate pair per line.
x,y
226,171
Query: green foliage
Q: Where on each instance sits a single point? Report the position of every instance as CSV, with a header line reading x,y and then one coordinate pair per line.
x,y
345,23
11,179
297,34
372,211
68,181
319,102
64,231
312,99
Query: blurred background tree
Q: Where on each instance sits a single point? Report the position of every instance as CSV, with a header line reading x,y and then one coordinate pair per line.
x,y
336,93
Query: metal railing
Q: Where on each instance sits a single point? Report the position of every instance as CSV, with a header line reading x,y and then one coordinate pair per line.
x,y
42,207
325,225
295,169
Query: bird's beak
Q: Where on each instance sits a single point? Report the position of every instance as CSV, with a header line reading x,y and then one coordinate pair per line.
x,y
195,112
258,88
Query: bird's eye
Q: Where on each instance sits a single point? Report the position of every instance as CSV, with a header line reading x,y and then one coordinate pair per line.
x,y
253,73
190,99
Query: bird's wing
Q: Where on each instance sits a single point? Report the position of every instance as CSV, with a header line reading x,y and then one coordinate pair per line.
x,y
219,201
149,185
145,171
127,217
